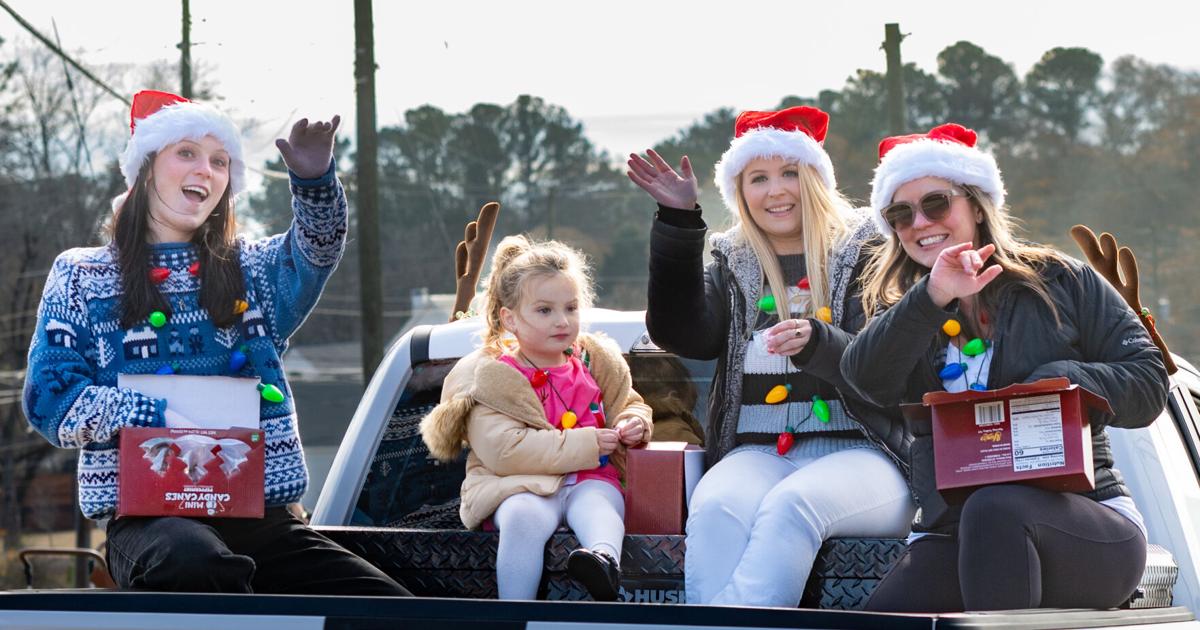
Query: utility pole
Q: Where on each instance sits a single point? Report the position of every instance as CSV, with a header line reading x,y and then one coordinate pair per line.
x,y
185,54
371,289
897,122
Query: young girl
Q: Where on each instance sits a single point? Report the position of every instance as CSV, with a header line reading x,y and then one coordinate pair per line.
x,y
176,268
789,465
960,303
547,419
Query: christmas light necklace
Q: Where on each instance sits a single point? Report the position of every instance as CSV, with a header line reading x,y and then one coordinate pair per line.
x,y
237,359
569,418
973,348
542,377
779,393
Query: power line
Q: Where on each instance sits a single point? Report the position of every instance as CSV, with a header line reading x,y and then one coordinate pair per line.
x,y
58,51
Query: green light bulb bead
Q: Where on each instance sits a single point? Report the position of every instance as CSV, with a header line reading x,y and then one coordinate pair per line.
x,y
820,409
974,347
270,393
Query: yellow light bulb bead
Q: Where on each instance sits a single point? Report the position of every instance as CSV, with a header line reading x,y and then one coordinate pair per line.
x,y
568,419
825,315
952,328
777,394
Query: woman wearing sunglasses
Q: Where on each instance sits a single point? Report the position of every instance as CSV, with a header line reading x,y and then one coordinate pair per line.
x,y
956,302
788,465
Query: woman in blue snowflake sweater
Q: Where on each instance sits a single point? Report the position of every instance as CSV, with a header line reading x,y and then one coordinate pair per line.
x,y
177,290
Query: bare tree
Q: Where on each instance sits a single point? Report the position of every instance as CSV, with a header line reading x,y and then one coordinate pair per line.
x,y
50,199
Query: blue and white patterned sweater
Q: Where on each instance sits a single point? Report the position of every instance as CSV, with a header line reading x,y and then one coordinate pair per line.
x,y
79,346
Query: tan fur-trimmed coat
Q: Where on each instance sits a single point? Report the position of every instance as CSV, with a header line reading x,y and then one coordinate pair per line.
x,y
491,407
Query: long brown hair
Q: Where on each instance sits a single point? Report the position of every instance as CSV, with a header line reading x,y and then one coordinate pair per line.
x,y
823,224
890,273
221,281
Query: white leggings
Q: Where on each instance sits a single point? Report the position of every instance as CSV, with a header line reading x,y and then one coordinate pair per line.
x,y
593,509
757,520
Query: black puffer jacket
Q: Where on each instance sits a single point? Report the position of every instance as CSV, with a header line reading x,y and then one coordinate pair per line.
x,y
699,312
1101,345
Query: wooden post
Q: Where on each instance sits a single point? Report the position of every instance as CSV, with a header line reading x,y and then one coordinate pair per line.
x,y
897,122
185,54
367,206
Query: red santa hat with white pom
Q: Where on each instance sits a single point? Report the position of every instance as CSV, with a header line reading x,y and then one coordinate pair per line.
x,y
946,151
794,134
160,119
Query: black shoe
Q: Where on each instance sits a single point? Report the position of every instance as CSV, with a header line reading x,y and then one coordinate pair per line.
x,y
597,571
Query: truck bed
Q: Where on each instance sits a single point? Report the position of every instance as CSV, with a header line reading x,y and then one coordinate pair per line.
x,y
67,610
458,563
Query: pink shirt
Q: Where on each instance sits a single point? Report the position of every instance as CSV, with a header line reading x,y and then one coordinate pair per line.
x,y
579,390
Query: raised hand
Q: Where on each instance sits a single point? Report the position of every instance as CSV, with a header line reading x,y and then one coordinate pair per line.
x,y
958,272
309,147
667,187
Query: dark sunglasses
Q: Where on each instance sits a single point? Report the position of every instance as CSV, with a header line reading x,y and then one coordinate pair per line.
x,y
934,205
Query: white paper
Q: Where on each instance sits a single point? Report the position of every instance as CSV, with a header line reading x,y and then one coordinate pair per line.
x,y
693,469
1037,433
205,402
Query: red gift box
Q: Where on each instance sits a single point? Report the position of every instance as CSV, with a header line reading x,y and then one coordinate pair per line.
x,y
658,482
1035,433
191,472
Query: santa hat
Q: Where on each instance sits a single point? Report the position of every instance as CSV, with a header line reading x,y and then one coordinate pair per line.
x,y
794,134
947,151
160,119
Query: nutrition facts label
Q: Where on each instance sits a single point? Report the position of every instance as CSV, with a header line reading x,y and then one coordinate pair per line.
x,y
1037,433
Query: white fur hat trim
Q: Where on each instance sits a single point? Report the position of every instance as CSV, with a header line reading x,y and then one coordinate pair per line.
x,y
184,121
768,142
954,162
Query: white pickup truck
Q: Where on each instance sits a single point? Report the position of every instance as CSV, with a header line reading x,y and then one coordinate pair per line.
x,y
387,500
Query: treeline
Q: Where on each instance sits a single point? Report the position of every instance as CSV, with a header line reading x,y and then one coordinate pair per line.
x,y
1112,146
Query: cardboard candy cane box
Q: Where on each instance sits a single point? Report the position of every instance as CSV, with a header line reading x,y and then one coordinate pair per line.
x,y
191,472
660,478
1036,433
208,461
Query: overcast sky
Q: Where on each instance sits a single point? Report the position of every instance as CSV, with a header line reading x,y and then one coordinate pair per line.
x,y
633,71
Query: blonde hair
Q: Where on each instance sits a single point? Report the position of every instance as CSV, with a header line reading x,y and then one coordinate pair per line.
x,y
517,259
823,224
890,272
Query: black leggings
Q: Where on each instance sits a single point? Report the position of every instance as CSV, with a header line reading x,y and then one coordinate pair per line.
x,y
274,554
1019,547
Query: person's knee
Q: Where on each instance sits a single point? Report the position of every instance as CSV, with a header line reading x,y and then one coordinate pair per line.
x,y
725,503
527,514
189,564
999,506
792,504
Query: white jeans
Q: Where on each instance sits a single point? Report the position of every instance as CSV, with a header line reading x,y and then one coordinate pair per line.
x,y
757,520
593,509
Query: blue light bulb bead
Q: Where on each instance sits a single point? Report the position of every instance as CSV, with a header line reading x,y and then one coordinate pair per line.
x,y
237,359
952,371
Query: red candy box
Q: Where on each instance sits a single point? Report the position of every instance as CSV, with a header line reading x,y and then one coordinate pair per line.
x,y
191,472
